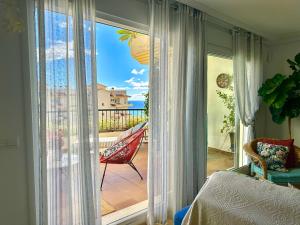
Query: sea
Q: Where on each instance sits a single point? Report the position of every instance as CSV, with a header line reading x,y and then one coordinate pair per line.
x,y
136,104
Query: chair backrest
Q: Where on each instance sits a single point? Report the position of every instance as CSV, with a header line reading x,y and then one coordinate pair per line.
x,y
254,143
296,152
126,152
125,134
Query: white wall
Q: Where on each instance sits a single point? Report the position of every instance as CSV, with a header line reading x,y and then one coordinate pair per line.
x,y
215,106
278,54
13,168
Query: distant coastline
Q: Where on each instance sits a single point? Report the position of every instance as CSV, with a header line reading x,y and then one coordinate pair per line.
x,y
136,104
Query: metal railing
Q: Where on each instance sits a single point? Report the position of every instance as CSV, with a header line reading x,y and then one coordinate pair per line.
x,y
120,119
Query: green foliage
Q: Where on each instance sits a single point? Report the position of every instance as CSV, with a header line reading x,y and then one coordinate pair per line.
x,y
146,104
229,102
282,93
127,35
120,124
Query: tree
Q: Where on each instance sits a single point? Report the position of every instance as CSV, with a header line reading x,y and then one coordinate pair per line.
x,y
146,104
282,94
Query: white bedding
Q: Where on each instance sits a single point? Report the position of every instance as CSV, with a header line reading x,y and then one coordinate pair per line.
x,y
228,198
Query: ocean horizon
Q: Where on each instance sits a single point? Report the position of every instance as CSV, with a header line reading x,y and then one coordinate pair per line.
x,y
137,104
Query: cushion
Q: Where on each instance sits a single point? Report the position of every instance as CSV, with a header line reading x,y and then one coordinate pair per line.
x,y
124,134
274,155
113,149
288,143
138,126
291,176
180,215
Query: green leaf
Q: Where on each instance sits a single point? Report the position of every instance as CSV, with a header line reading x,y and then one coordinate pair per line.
x,y
270,85
292,107
275,91
296,76
277,115
124,31
292,64
283,92
270,99
124,37
297,58
280,101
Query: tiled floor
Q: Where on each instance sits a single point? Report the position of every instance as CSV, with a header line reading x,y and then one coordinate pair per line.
x,y
123,187
218,160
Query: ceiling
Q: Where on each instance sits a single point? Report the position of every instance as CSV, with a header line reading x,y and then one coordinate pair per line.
x,y
273,19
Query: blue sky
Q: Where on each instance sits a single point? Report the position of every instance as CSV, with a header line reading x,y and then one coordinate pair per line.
x,y
116,67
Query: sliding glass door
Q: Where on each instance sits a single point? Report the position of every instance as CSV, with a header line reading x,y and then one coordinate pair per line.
x,y
220,114
122,85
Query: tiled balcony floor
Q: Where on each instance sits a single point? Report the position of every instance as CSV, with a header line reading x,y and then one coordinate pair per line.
x,y
123,187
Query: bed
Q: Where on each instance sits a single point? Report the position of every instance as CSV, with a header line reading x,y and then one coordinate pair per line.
x,y
229,198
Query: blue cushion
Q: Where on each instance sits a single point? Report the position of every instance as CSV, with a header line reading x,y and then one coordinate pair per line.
x,y
180,215
291,176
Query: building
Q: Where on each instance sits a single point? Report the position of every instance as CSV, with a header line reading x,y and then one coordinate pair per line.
x,y
112,99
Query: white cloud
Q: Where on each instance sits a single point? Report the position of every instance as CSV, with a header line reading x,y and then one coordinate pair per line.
x,y
138,72
118,88
137,97
59,50
130,80
62,24
138,85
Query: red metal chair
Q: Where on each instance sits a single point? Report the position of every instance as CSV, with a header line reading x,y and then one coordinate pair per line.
x,y
124,152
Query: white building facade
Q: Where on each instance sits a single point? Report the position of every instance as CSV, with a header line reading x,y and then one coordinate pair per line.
x,y
112,99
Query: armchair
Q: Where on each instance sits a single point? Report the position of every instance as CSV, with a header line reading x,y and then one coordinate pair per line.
x,y
259,166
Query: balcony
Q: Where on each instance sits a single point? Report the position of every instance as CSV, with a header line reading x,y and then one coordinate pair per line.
x,y
122,187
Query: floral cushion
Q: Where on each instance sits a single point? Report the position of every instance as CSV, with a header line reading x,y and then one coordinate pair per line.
x,y
275,155
291,160
113,149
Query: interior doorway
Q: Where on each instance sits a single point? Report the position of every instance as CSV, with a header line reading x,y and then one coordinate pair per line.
x,y
220,114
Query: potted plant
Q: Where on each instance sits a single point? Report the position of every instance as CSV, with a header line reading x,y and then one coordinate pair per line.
x,y
282,94
229,118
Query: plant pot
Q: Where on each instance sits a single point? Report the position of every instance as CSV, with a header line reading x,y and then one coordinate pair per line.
x,y
231,135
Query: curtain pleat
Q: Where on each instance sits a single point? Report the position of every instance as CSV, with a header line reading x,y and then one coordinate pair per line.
x,y
248,75
68,149
177,156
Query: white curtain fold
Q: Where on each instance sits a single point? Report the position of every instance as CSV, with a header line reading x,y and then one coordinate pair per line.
x,y
68,117
248,77
177,156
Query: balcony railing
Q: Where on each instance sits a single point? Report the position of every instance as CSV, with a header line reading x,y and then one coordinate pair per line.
x,y
120,119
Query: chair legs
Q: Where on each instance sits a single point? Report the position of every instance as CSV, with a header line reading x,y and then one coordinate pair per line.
x,y
130,164
103,176
133,167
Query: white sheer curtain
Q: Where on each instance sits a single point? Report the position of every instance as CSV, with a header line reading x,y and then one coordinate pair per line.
x,y
177,156
248,77
68,118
